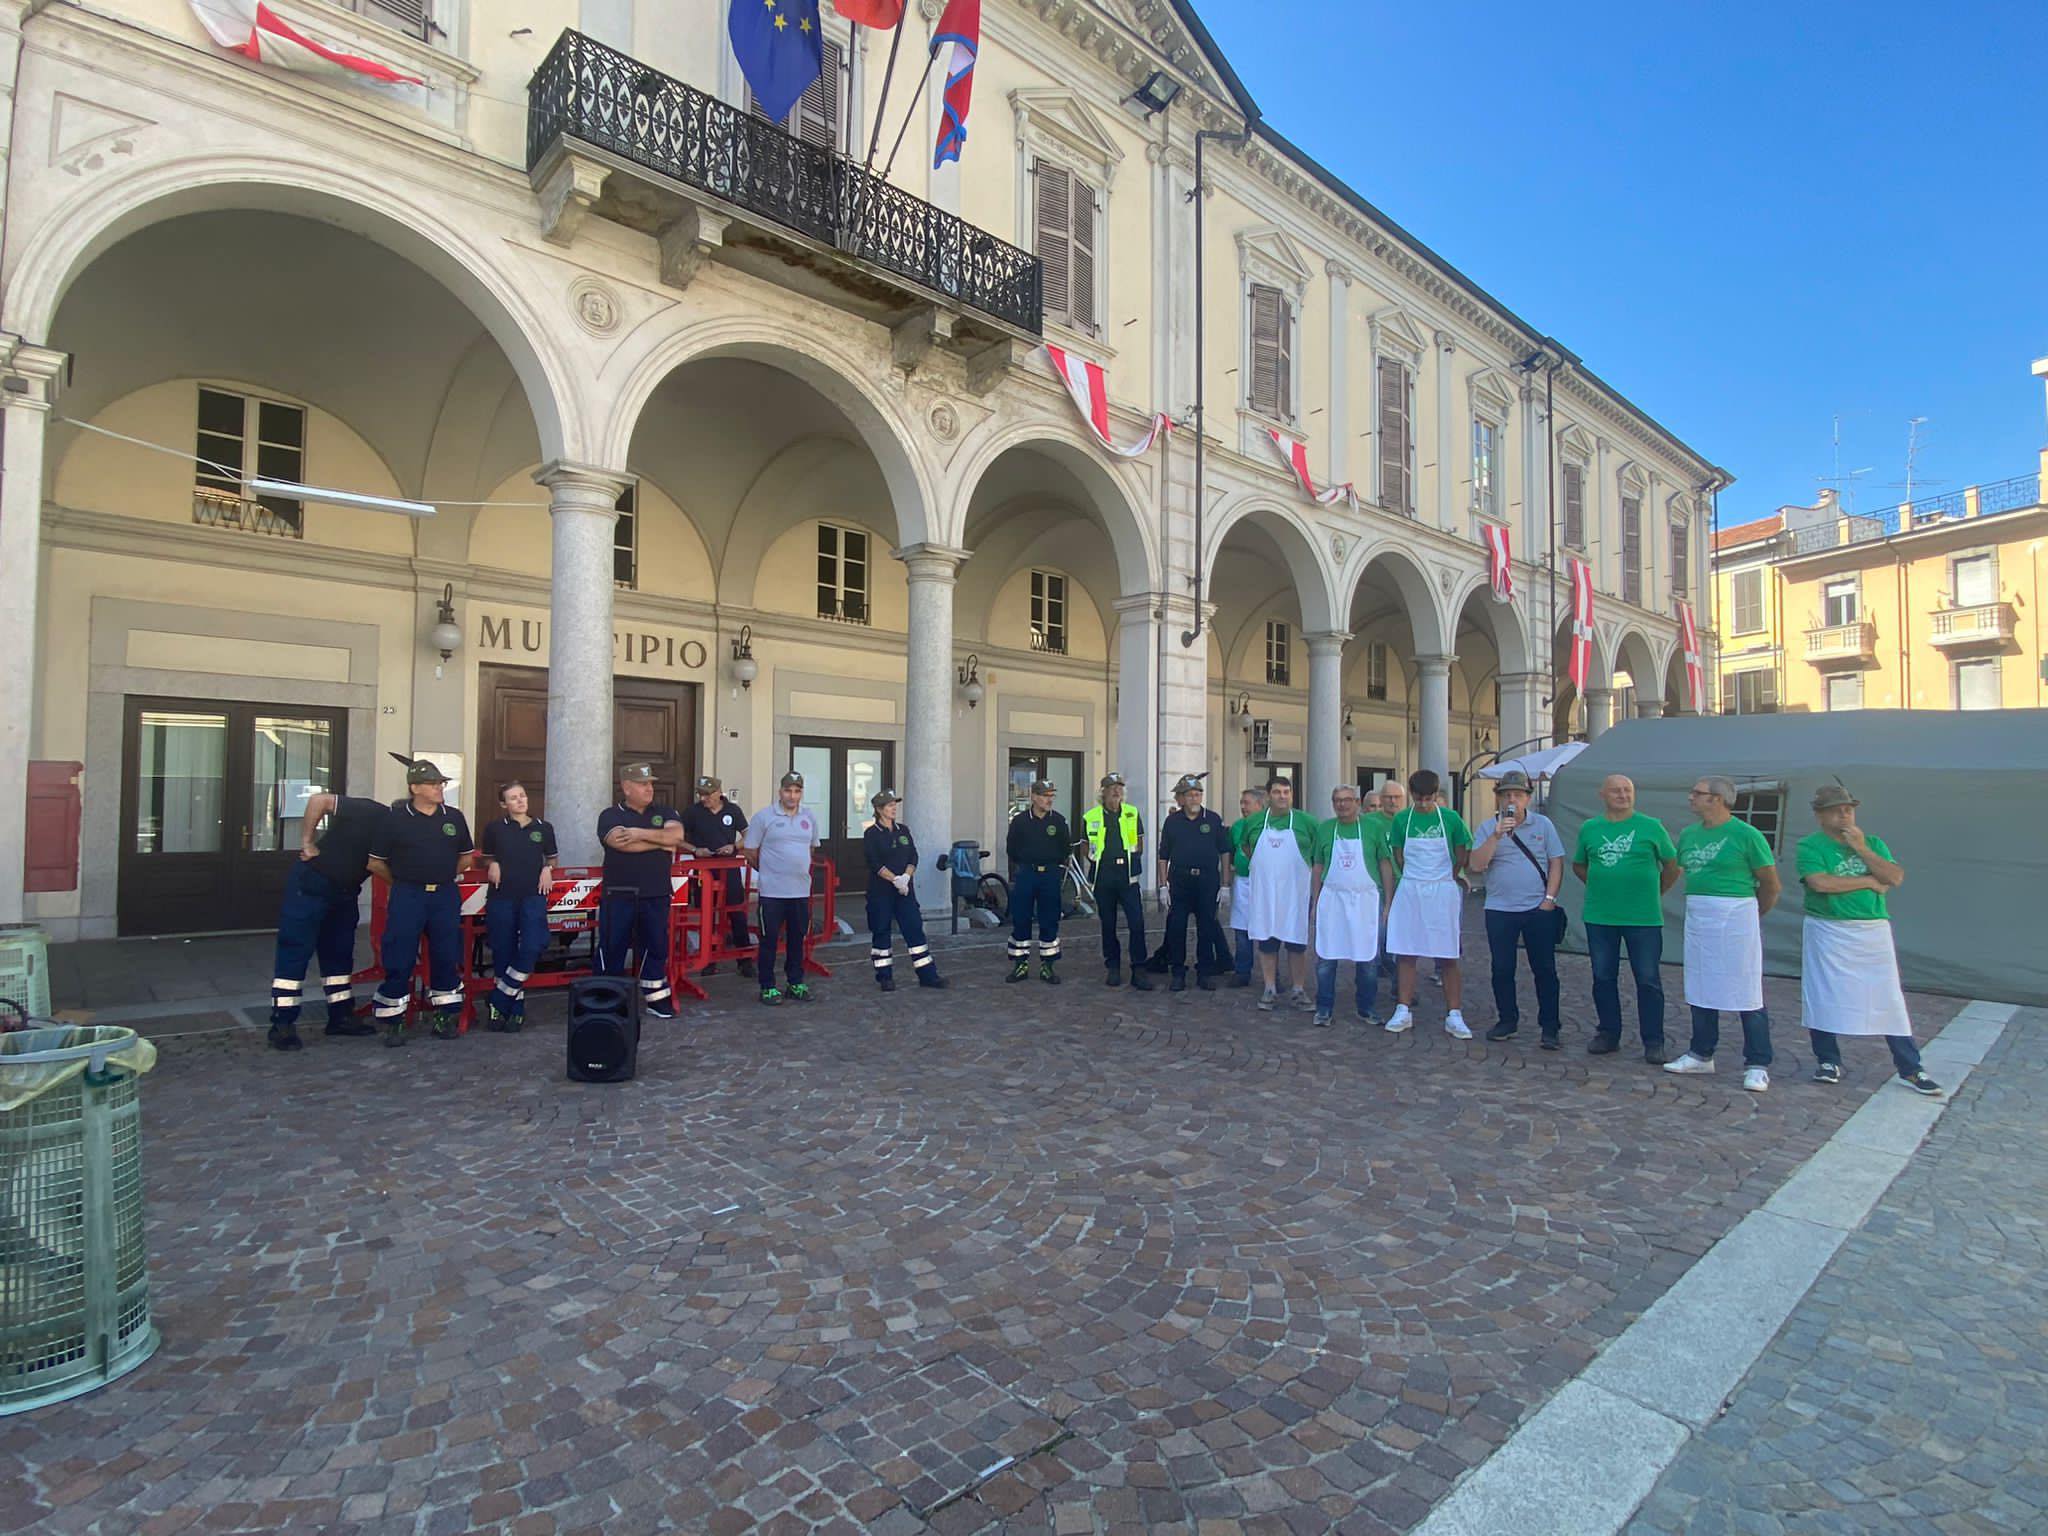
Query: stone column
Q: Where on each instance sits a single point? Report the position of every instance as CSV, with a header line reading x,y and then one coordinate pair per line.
x,y
1136,754
582,509
1324,769
1447,455
1521,710
26,419
1648,709
928,703
1433,715
1599,711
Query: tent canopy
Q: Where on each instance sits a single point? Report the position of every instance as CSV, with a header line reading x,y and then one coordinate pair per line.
x,y
1960,797
1538,765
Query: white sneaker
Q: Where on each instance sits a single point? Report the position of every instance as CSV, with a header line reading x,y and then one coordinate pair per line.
x,y
1756,1080
1690,1063
1455,1026
1402,1020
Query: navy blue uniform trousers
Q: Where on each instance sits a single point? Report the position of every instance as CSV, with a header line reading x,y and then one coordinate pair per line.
x,y
414,910
626,923
517,927
1035,893
318,918
886,911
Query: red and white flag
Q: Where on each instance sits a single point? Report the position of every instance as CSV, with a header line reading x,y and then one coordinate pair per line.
x,y
1582,622
1295,453
1695,674
1089,385
1497,563
879,14
254,30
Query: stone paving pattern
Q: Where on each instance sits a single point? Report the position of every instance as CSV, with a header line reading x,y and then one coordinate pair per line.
x,y
997,1258
1909,1391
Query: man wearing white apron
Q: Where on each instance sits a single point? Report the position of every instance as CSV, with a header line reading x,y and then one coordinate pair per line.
x,y
1281,843
1431,843
1351,855
1731,882
1250,805
1849,983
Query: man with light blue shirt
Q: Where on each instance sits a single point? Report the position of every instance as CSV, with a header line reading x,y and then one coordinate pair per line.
x,y
1522,858
779,844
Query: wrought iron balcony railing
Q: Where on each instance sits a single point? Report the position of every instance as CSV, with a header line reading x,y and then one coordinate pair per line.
x,y
585,90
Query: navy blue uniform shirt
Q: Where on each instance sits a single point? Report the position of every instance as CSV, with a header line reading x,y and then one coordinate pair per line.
x,y
1038,843
1193,845
706,828
646,872
520,852
421,848
890,851
344,856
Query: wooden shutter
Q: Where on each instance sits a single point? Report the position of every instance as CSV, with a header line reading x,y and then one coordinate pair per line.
x,y
816,116
1575,506
1395,491
1054,223
1081,210
1269,351
1632,549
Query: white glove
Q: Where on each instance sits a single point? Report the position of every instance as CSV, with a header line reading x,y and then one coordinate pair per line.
x,y
901,882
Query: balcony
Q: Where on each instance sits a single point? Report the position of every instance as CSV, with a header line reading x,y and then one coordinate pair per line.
x,y
1853,644
1985,626
606,135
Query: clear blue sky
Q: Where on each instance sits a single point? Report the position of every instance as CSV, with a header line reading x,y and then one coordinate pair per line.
x,y
1746,217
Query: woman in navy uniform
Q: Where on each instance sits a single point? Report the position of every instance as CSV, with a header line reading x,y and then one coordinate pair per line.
x,y
319,916
521,850
1038,845
892,895
640,838
419,848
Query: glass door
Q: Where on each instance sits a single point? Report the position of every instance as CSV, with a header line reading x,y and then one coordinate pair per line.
x,y
1062,770
841,779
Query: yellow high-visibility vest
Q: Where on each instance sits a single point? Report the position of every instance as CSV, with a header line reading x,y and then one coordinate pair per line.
x,y
1127,823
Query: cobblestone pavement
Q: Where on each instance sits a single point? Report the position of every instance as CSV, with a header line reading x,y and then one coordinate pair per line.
x,y
1000,1257
1909,1391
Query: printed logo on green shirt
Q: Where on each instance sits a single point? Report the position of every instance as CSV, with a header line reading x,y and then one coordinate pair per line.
x,y
1613,851
1851,864
1700,855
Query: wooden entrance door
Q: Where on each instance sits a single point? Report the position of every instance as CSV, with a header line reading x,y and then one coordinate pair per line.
x,y
212,805
652,722
842,776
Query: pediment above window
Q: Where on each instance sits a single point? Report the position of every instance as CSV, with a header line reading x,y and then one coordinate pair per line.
x,y
1492,395
1631,479
1061,126
1576,443
1269,256
1395,330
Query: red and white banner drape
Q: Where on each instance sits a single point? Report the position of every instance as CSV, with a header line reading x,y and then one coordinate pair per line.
x,y
1498,567
1295,454
253,29
1582,623
1089,385
1695,672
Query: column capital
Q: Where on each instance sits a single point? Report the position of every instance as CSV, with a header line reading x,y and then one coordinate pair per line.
x,y
1140,608
1434,666
932,562
1327,642
1522,679
582,487
40,369
1598,695
1340,272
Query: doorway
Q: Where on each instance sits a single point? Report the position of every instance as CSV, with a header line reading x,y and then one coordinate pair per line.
x,y
652,722
212,806
841,778
1062,770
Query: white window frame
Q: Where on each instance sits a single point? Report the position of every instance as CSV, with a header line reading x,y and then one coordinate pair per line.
x,y
1058,127
839,585
1961,558
1280,651
1492,404
1397,338
1047,615
1853,580
1631,484
1267,258
1994,665
626,537
1376,671
1731,688
1843,681
288,510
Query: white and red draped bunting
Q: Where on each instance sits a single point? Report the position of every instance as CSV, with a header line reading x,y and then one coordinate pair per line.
x,y
253,29
1695,674
1089,385
1582,623
1498,570
1295,453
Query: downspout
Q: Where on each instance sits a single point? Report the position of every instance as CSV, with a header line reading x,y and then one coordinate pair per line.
x,y
1713,703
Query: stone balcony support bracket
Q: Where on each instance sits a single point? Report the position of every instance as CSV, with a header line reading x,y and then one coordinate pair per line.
x,y
687,242
568,185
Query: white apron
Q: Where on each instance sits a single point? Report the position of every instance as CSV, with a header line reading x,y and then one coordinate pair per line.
x,y
1724,954
1348,910
1428,908
1850,981
1240,902
1279,882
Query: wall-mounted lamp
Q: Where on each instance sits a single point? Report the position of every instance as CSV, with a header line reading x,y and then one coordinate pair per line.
x,y
744,668
969,675
1241,712
446,634
1157,93
1350,730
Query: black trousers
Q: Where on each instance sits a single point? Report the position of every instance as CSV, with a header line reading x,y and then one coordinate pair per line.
x,y
1112,897
1194,896
785,920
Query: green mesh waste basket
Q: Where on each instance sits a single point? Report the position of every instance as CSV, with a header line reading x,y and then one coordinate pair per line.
x,y
74,1276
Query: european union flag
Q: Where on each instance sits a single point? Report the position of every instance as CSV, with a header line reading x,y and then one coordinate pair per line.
x,y
779,48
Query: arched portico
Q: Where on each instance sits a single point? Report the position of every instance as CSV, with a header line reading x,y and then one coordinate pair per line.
x,y
1393,598
1644,697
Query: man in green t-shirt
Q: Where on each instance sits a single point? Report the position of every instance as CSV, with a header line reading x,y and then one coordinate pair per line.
x,y
1849,978
1627,862
1249,806
1731,881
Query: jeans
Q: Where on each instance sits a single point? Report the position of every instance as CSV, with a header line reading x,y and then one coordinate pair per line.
x,y
1035,893
627,922
1827,1049
1121,896
1194,897
785,920
1645,943
411,911
1535,930
1756,1036
518,930
318,917
1365,981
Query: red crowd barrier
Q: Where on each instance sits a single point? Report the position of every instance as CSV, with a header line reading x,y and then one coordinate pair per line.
x,y
700,928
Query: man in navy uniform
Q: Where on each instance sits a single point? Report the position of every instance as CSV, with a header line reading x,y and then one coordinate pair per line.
x,y
1038,845
1116,842
640,840
892,895
319,916
419,848
1193,847
714,828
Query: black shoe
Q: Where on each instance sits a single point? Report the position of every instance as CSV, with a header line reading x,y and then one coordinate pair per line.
x,y
496,1020
1206,983
1920,1082
446,1023
746,969
1140,982
285,1037
665,1009
771,996
1503,1032
1180,982
1828,1072
1603,1045
1115,978
798,992
885,981
711,969
1239,981
394,1033
928,976
350,1026
1020,970
1655,1054
1548,1043
1047,973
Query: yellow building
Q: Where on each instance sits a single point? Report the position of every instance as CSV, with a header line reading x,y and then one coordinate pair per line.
x,y
1934,604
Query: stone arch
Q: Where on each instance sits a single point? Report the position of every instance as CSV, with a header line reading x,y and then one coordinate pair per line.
x,y
1419,593
1504,623
113,207
1299,547
1114,492
1630,652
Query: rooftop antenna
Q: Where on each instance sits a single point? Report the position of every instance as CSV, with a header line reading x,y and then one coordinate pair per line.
x,y
1843,484
1913,426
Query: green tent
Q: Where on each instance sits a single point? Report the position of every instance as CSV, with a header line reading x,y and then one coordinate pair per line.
x,y
1960,797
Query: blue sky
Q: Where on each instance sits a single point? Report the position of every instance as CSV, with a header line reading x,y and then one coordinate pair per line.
x,y
1746,217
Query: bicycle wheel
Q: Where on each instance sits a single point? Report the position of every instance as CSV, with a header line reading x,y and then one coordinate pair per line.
x,y
993,893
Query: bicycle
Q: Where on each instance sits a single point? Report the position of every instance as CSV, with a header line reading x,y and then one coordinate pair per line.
x,y
1077,892
991,894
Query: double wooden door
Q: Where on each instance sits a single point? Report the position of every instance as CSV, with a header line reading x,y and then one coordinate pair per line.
x,y
652,722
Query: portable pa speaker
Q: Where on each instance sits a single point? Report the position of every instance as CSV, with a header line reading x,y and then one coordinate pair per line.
x,y
604,1029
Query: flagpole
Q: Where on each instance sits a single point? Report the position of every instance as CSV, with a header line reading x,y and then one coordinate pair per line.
x,y
931,58
888,74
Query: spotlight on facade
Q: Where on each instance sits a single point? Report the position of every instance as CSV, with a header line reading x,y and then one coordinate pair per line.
x,y
970,681
446,634
1157,93
1241,712
744,668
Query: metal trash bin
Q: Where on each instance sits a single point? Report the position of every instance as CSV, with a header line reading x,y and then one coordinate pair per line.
x,y
74,1276
25,968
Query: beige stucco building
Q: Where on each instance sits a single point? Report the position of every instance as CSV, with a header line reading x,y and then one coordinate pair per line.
x,y
736,456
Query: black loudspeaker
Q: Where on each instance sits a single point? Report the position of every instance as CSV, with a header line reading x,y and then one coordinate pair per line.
x,y
604,1029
